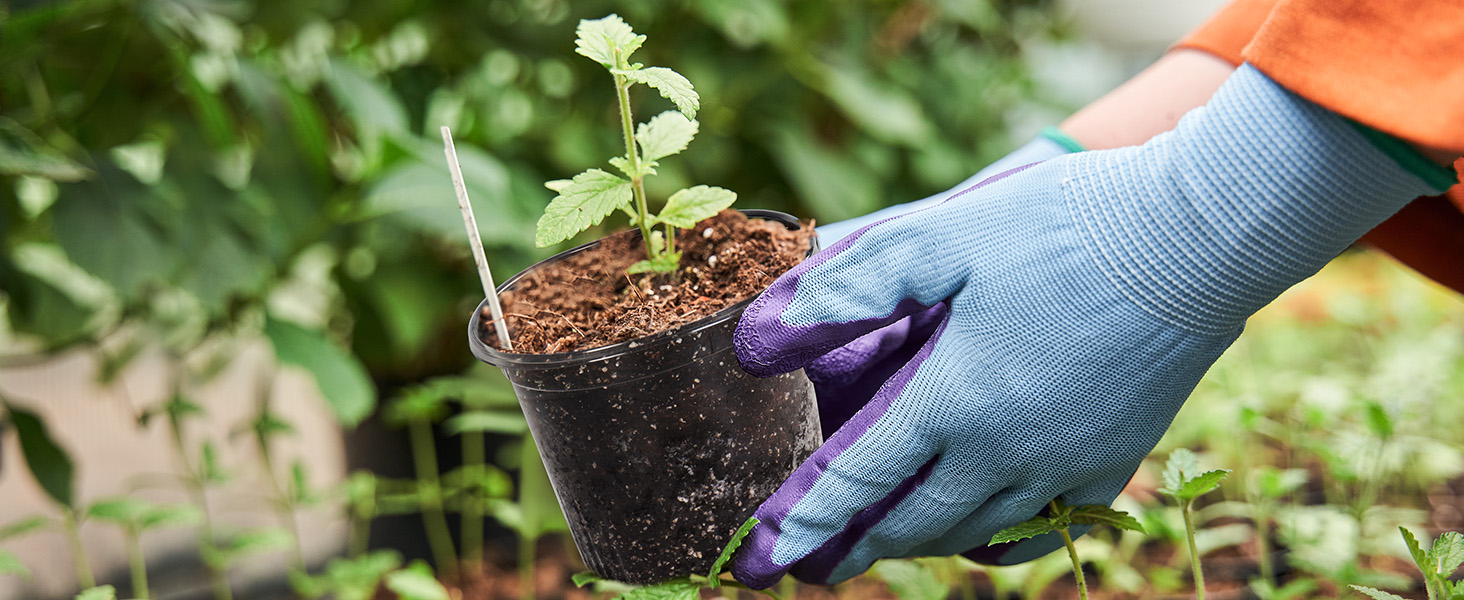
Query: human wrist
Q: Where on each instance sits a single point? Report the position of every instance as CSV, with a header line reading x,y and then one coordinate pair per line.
x,y
1204,225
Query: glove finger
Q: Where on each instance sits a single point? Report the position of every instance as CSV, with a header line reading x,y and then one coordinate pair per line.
x,y
847,377
850,484
927,514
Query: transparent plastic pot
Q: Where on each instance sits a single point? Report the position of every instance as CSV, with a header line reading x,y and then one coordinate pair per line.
x,y
660,447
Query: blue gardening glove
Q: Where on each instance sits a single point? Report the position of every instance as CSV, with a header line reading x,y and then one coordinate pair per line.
x,y
847,377
1086,296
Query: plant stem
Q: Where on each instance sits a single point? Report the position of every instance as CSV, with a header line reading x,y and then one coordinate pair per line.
x,y
218,574
439,537
1189,532
474,456
526,556
84,576
627,127
284,504
138,563
1263,542
360,536
1067,540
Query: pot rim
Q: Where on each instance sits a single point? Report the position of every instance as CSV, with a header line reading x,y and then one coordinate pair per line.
x,y
498,358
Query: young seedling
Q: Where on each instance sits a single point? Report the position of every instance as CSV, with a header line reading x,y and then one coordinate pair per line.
x,y
1268,486
134,517
1437,564
680,588
417,410
353,578
1184,482
589,197
1059,518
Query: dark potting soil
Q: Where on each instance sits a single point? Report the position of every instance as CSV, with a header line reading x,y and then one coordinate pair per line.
x,y
587,300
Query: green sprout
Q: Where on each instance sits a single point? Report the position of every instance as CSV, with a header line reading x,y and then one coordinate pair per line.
x,y
1184,482
1058,519
1437,564
589,197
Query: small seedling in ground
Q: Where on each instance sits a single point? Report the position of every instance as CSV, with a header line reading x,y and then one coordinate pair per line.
x,y
589,197
417,409
1059,518
680,588
1437,564
134,517
1184,482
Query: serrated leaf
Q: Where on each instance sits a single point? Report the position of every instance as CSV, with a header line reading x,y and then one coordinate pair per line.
x,y
623,165
910,580
585,578
22,527
1097,514
729,550
339,375
1447,553
1181,464
599,39
101,592
590,197
10,565
1377,593
48,463
687,207
558,185
416,583
679,589
1420,557
664,135
1026,529
485,421
670,84
1203,483
122,511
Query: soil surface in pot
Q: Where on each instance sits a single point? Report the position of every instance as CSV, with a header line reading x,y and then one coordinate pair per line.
x,y
587,300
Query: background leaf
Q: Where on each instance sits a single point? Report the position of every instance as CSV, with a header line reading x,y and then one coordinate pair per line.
x,y
48,463
339,375
910,580
416,583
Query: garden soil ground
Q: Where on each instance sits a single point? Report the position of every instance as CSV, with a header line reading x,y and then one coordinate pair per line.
x,y
588,300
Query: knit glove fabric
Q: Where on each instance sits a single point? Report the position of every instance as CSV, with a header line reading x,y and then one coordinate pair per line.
x,y
848,376
1077,303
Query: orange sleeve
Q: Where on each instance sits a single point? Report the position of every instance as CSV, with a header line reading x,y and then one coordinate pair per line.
x,y
1230,30
1397,67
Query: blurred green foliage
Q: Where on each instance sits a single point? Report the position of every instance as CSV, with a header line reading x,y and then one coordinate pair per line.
x,y
185,171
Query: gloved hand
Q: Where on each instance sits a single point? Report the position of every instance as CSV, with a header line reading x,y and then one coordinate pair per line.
x,y
1086,297
847,377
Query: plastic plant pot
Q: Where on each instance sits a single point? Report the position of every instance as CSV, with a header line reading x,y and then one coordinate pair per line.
x,y
658,448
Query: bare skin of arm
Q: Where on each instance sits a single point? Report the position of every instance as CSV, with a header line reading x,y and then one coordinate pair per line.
x,y
1153,101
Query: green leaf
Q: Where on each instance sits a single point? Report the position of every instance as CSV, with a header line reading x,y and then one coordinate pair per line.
x,y
558,185
665,263
121,511
339,375
1377,593
22,527
10,565
479,421
1420,557
1097,514
591,197
255,541
1026,529
598,40
1203,483
212,470
888,113
101,592
1274,483
416,583
170,515
687,207
23,153
584,578
731,548
678,589
1447,553
664,135
671,84
1378,420
48,463
910,580
1177,470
